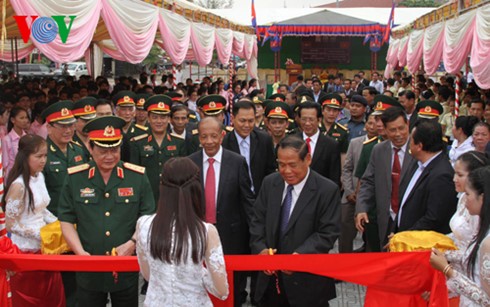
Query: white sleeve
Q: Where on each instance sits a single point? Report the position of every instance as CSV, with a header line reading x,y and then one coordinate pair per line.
x,y
15,206
215,277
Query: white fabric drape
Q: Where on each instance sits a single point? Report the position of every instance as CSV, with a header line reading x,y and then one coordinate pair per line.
x,y
98,61
224,44
175,32
414,51
457,41
202,39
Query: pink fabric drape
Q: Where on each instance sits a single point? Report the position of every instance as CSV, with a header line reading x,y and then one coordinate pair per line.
x,y
238,43
402,53
21,52
392,54
175,45
432,56
134,44
81,32
224,44
455,55
203,53
414,52
480,51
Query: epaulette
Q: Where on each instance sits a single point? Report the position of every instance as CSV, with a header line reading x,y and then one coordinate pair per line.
x,y
445,139
192,116
290,120
229,128
176,136
141,127
139,137
78,168
134,167
342,127
370,140
195,131
75,143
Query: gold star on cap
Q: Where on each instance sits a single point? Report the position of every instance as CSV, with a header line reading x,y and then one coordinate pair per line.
x,y
109,131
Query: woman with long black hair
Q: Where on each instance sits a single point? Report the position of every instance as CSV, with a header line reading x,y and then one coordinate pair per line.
x,y
472,282
173,244
26,202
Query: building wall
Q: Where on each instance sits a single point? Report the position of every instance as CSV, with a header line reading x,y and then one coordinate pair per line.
x,y
291,48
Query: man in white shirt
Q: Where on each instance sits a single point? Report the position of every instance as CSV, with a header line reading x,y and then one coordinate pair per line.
x,y
228,196
376,83
297,212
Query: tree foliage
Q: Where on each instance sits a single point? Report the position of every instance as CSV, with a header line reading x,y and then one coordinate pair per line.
x,y
153,57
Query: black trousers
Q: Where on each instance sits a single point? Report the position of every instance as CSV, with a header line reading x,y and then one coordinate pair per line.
x,y
123,298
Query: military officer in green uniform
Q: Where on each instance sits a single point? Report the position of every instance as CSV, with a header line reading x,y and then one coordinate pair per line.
x,y
125,104
141,118
62,151
83,110
382,103
280,97
152,150
277,113
104,198
210,105
259,114
331,105
62,154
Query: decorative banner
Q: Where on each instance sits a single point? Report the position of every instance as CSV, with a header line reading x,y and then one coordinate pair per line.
x,y
390,277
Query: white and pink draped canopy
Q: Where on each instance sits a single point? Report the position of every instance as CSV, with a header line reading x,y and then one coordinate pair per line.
x,y
451,41
132,26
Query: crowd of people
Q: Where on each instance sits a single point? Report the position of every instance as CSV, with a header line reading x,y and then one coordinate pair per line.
x,y
184,173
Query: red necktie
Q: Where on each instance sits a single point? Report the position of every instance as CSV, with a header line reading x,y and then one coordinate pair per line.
x,y
308,140
395,181
210,193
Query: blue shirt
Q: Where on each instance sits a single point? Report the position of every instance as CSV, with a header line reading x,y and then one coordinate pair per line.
x,y
356,128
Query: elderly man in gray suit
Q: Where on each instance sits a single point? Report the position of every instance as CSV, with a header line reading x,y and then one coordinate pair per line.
x,y
387,167
348,229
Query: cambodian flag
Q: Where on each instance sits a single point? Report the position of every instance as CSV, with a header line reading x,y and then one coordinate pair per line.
x,y
389,25
254,21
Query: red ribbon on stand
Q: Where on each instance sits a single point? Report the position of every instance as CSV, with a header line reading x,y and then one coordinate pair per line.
x,y
390,277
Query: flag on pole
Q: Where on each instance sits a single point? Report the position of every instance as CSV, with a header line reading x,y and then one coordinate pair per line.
x,y
389,25
254,21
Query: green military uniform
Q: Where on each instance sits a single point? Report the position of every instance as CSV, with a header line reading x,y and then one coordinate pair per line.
x,y
55,173
56,167
57,163
105,215
145,150
81,144
339,133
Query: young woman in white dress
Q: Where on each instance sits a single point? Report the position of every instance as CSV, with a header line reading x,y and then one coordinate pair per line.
x,y
472,280
173,244
26,201
463,225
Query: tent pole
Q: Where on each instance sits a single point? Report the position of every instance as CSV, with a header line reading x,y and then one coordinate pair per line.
x,y
92,64
190,69
12,53
16,59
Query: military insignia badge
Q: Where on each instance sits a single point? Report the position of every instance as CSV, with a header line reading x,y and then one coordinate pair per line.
x,y
65,112
87,192
109,131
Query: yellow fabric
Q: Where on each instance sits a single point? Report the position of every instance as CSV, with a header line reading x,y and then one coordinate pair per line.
x,y
52,240
420,240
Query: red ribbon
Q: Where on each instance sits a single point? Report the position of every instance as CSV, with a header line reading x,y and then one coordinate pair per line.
x,y
390,277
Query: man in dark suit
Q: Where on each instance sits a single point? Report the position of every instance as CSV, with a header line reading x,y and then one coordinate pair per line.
x,y
297,212
388,165
229,199
324,150
427,200
254,145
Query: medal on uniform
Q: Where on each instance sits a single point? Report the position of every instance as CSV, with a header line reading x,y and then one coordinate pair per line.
x,y
123,192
